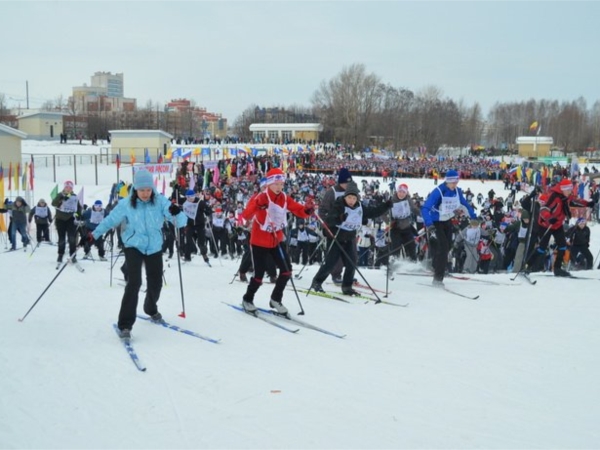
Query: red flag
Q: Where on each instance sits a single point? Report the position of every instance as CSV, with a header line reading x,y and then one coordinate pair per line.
x,y
164,186
160,158
118,161
31,174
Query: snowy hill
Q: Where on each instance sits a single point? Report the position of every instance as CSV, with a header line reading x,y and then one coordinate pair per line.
x,y
517,368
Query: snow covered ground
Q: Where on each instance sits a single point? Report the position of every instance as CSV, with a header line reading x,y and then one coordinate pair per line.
x,y
518,368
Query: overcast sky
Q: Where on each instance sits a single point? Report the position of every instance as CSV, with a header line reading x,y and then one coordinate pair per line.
x,y
228,55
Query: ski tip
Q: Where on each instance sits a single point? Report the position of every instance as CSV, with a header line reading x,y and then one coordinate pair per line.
x,y
20,320
182,315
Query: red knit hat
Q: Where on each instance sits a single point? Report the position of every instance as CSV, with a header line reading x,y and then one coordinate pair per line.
x,y
275,175
565,185
403,187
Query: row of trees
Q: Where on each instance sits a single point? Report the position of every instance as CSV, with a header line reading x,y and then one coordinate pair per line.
x,y
356,107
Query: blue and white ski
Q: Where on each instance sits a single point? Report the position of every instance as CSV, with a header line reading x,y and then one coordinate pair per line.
x,y
130,350
264,317
180,330
302,323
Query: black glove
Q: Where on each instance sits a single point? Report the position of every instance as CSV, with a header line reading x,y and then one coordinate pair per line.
x,y
174,209
552,220
389,203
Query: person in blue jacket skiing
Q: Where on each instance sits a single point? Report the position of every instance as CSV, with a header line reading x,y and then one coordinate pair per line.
x,y
443,203
143,212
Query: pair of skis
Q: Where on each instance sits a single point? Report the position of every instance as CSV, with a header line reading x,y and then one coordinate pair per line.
x,y
131,350
270,316
361,296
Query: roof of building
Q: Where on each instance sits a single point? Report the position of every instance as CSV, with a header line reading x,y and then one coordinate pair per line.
x,y
9,130
535,140
286,126
42,114
132,133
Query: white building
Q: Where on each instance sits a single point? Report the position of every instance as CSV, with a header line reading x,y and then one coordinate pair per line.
x,y
285,132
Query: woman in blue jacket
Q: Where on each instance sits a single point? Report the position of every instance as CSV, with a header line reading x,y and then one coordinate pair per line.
x,y
142,213
443,204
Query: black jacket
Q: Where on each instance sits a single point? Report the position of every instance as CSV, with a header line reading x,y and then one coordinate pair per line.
x,y
337,215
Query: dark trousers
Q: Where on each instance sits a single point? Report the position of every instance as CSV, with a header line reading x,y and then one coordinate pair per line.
x,y
66,229
441,247
42,232
586,254
260,257
303,252
404,239
536,261
333,257
98,243
154,272
192,235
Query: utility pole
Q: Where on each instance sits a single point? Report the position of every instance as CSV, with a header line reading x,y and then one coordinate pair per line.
x,y
27,92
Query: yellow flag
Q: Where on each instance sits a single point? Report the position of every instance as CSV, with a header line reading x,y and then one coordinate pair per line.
x,y
123,191
533,126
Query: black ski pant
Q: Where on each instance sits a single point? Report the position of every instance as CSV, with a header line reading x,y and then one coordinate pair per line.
x,y
154,272
260,257
585,252
335,254
246,263
66,229
195,234
303,252
403,239
42,232
441,247
536,261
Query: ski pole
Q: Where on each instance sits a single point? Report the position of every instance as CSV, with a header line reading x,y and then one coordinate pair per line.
x,y
348,257
70,258
287,269
177,243
309,259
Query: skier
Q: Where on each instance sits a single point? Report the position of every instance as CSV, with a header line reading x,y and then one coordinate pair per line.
x,y
579,239
68,208
402,232
92,217
43,218
269,213
344,177
442,204
196,210
20,209
345,219
551,223
144,212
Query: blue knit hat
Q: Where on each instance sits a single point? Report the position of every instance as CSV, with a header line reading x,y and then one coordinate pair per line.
x,y
98,203
452,176
143,180
344,176
190,193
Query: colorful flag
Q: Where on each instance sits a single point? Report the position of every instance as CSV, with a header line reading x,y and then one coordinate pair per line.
x,y
164,186
17,176
192,181
160,158
10,177
216,175
533,126
132,157
24,177
31,174
146,156
118,161
123,192
54,192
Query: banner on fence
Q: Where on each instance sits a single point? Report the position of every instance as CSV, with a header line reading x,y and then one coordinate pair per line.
x,y
155,168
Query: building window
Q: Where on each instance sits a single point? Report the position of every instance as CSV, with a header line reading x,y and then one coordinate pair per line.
x,y
259,136
273,135
286,136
